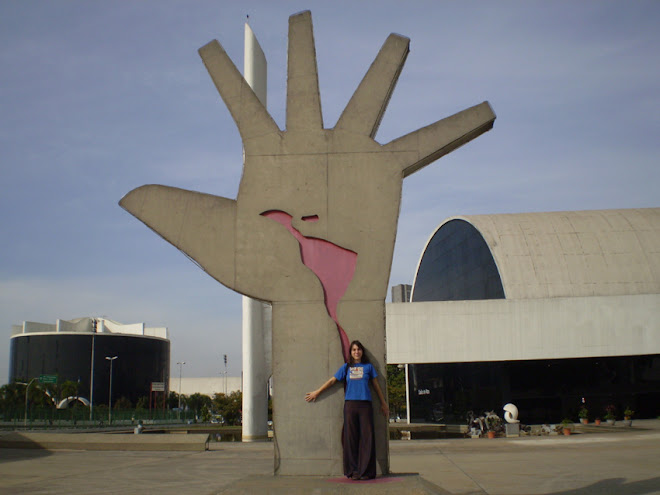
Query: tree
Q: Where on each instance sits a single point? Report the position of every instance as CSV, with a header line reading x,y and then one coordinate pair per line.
x,y
43,395
53,393
159,400
198,402
101,412
12,396
396,388
173,400
229,406
142,403
68,388
122,403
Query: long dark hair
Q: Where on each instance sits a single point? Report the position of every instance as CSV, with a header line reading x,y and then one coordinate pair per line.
x,y
365,359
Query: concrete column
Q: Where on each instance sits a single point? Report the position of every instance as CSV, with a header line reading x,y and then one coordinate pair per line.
x,y
255,66
306,352
407,396
255,372
256,327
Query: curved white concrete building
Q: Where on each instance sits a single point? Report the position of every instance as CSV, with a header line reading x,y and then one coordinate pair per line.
x,y
538,309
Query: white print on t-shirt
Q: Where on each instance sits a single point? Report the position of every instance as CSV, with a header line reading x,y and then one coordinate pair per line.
x,y
357,372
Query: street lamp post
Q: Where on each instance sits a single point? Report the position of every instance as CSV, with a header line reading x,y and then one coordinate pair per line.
x,y
181,363
225,374
111,359
91,373
27,388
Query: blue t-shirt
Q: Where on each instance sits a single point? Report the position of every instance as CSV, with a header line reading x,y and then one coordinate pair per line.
x,y
357,381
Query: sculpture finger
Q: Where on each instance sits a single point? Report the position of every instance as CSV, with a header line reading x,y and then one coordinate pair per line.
x,y
251,117
367,106
429,143
200,225
303,100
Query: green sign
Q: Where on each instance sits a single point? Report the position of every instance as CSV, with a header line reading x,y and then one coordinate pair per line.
x,y
48,379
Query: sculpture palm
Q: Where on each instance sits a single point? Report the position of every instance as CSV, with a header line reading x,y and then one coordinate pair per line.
x,y
341,177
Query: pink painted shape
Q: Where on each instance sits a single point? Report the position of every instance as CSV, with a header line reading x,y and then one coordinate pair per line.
x,y
333,265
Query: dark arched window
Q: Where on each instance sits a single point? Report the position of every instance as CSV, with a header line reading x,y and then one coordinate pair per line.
x,y
457,265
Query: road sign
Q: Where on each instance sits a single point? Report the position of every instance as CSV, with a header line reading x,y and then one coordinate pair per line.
x,y
48,379
158,386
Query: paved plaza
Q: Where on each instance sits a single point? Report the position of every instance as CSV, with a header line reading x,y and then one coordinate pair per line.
x,y
622,463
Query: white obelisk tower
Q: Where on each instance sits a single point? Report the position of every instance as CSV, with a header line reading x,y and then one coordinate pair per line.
x,y
257,336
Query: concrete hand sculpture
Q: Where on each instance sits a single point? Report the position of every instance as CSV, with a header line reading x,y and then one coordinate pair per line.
x,y
336,185
312,229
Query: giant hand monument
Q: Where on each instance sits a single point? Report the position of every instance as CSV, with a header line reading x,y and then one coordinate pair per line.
x,y
311,230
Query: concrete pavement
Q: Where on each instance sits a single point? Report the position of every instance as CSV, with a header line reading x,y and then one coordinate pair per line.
x,y
624,463
613,463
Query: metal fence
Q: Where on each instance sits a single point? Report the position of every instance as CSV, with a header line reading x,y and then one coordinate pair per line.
x,y
79,417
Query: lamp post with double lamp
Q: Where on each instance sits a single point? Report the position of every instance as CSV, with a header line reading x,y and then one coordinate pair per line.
x,y
111,359
181,363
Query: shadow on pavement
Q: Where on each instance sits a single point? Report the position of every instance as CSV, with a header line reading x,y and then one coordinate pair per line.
x,y
17,447
616,486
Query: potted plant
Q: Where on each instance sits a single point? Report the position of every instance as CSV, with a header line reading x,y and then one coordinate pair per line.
x,y
566,426
627,416
597,421
493,424
583,414
610,414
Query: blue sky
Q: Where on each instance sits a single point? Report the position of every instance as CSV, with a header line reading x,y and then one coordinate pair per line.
x,y
97,98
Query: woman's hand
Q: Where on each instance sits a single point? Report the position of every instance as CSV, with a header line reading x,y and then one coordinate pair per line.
x,y
311,396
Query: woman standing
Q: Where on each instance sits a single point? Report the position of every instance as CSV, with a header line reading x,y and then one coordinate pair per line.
x,y
358,440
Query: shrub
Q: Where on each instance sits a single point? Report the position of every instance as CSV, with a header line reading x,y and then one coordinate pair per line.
x,y
610,412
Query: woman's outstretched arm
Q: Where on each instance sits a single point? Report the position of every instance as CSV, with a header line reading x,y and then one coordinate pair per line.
x,y
383,405
312,396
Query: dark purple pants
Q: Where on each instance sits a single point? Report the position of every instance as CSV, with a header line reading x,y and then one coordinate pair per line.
x,y
359,441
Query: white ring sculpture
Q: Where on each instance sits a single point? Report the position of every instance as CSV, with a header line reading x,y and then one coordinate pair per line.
x,y
511,413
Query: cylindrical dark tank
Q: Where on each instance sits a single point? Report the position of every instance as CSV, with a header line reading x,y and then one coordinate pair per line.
x,y
141,360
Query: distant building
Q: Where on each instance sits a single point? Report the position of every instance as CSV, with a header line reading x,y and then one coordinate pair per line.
x,y
65,348
206,386
401,293
544,310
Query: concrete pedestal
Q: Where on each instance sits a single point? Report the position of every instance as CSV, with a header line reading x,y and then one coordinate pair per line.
x,y
512,429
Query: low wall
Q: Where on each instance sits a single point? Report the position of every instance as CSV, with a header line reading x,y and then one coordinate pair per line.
x,y
102,441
